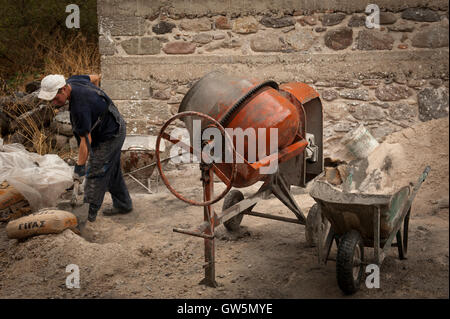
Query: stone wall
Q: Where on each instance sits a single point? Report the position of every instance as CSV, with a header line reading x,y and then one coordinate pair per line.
x,y
386,78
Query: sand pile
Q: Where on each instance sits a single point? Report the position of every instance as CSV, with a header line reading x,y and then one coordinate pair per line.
x,y
399,161
45,258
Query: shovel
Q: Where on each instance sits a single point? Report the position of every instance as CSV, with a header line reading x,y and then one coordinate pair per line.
x,y
76,207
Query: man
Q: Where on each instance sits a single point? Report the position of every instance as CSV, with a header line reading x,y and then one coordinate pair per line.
x,y
100,131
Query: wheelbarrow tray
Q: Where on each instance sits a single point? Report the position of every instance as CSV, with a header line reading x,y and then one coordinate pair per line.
x,y
347,211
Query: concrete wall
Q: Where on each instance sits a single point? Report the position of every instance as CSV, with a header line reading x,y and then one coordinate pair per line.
x,y
387,78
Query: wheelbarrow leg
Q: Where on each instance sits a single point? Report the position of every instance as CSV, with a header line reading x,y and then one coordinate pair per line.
x,y
400,245
405,233
328,244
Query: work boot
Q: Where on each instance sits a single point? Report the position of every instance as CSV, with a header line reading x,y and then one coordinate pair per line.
x,y
116,211
92,214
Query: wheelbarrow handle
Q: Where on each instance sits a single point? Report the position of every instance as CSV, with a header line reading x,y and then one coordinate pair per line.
x,y
422,178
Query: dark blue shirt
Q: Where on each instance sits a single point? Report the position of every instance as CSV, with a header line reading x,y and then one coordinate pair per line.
x,y
85,107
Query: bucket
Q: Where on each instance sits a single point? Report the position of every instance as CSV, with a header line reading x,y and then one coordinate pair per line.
x,y
360,142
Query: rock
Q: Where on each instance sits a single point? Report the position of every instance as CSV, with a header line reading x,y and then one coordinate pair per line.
x,y
346,84
332,19
404,38
402,26
231,43
61,124
142,46
339,39
323,83
271,22
32,86
222,23
342,127
266,43
41,116
374,40
420,15
371,82
73,143
402,46
245,25
387,18
163,27
59,142
320,29
335,112
179,47
220,36
366,112
392,93
357,21
17,137
197,25
435,36
329,95
415,83
433,103
161,95
310,20
402,111
106,45
362,94
202,38
436,83
301,40
213,46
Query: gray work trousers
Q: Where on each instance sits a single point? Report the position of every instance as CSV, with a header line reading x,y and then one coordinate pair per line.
x,y
104,173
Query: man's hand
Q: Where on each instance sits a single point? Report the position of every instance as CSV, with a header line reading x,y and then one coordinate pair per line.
x,y
79,172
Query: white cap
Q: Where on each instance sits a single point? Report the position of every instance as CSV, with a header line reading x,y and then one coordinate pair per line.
x,y
50,86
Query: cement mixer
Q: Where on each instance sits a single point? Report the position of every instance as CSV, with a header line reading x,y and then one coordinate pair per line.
x,y
230,104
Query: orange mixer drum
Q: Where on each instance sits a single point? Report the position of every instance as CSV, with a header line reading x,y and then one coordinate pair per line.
x,y
242,104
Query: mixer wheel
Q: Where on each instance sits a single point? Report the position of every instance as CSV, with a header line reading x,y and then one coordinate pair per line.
x,y
232,198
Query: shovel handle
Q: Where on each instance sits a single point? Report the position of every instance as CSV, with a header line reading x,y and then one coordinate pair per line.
x,y
76,185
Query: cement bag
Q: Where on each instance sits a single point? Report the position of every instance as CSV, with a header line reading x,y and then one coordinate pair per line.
x,y
40,179
47,221
12,204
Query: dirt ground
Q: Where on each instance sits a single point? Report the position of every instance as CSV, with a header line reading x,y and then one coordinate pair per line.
x,y
139,256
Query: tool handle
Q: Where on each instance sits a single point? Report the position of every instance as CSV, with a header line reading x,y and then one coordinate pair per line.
x,y
76,186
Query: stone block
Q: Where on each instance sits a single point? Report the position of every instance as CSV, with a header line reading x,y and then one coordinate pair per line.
x,y
374,40
339,39
126,89
433,103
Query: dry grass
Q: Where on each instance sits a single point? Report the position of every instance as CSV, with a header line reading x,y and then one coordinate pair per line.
x,y
58,53
32,128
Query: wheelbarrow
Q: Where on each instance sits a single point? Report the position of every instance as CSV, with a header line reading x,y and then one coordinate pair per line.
x,y
362,220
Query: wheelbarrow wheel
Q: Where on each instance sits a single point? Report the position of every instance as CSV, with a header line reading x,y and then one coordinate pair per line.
x,y
232,198
349,266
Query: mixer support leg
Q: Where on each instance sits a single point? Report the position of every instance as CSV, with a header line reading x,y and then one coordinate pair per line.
x,y
208,191
282,192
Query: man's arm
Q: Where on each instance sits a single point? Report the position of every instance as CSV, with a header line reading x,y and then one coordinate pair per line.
x,y
95,79
83,151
